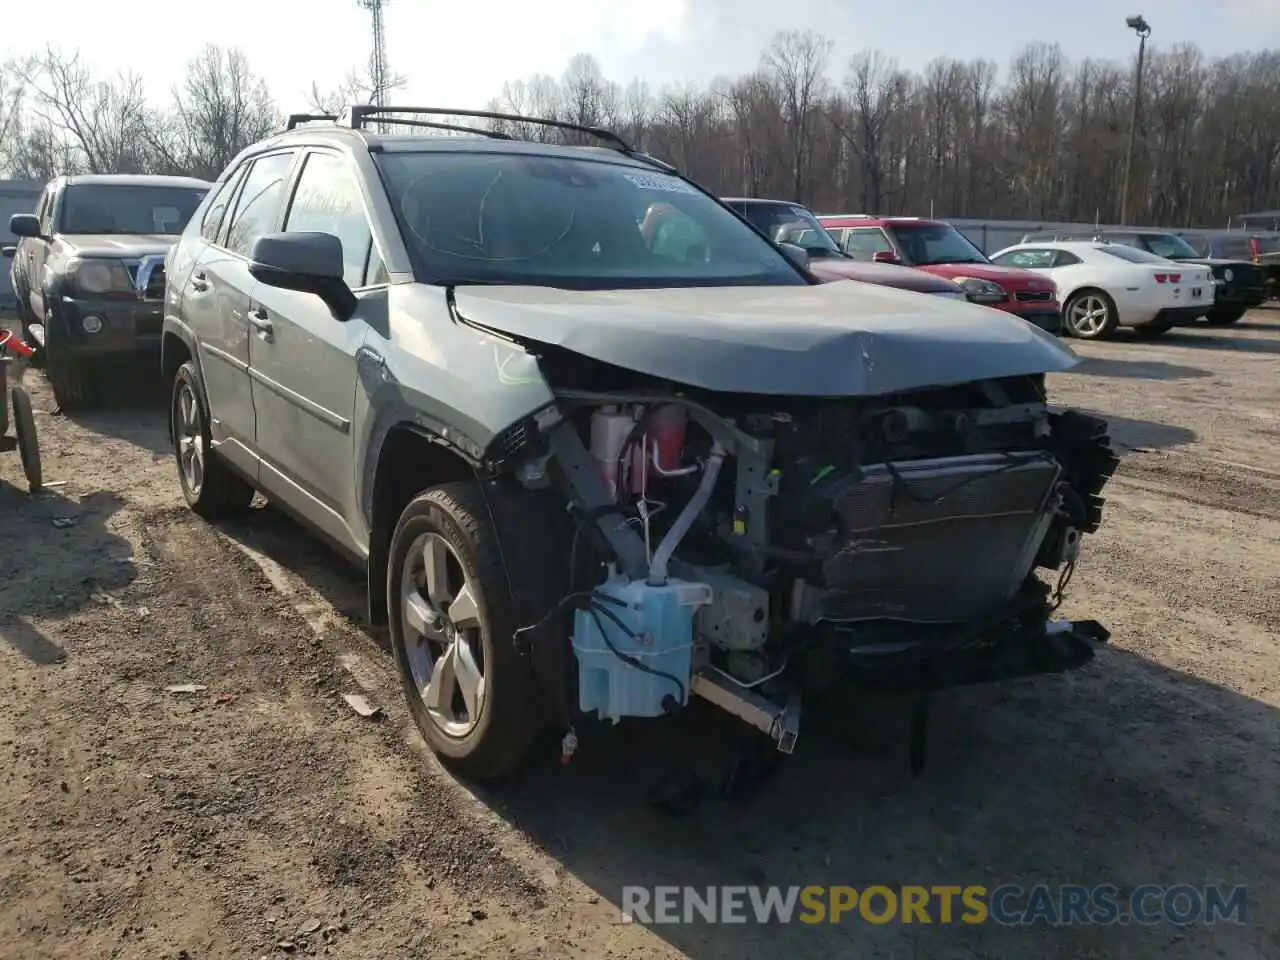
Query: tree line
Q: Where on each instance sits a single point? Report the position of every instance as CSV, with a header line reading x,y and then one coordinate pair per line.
x,y
1044,139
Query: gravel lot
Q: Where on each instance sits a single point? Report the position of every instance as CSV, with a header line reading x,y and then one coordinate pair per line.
x,y
261,816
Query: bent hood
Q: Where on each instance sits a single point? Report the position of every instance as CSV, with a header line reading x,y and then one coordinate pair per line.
x,y
118,245
885,274
828,340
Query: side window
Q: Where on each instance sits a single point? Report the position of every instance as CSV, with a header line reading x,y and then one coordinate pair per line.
x,y
327,200
1027,259
1065,259
865,243
211,225
259,203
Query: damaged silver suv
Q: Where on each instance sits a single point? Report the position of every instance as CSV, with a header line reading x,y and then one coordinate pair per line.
x,y
602,447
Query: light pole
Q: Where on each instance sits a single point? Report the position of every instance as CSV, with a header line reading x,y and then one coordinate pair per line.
x,y
1143,29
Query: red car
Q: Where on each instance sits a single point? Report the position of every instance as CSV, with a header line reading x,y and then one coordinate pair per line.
x,y
944,251
785,222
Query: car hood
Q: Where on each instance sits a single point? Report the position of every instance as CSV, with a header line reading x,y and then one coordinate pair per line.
x,y
116,245
829,339
1011,278
885,274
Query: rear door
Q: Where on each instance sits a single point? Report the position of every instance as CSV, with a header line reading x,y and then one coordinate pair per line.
x,y
218,296
303,359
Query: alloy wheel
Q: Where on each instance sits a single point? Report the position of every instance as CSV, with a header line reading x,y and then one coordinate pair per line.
x,y
189,438
1088,315
442,635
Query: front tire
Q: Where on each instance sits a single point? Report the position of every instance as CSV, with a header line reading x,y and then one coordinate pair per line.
x,y
73,379
453,619
209,485
1090,315
24,428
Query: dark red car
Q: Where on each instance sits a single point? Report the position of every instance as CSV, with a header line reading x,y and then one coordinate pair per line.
x,y
792,223
942,250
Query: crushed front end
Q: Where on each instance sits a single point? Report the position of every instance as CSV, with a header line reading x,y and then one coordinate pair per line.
x,y
748,548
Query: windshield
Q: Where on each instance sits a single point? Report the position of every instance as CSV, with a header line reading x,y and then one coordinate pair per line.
x,y
515,218
1132,254
791,224
928,243
1170,246
127,208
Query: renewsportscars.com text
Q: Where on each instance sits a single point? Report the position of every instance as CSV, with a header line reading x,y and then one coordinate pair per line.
x,y
1006,905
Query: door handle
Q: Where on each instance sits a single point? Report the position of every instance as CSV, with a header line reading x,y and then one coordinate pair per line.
x,y
200,282
260,322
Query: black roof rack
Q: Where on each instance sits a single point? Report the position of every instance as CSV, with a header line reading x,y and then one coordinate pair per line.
x,y
359,116
432,125
298,118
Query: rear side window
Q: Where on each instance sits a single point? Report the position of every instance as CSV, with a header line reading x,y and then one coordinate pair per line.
x,y
258,207
211,225
1122,252
327,200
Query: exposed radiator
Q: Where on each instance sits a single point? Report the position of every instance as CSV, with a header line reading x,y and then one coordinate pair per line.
x,y
941,540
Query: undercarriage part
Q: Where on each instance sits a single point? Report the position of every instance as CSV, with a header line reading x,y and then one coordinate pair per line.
x,y
781,723
634,645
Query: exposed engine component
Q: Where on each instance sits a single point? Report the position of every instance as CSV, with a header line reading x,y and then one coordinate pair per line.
x,y
744,534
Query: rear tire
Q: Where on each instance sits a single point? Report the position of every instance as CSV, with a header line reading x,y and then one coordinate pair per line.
x,y
1090,314
489,735
209,485
1224,316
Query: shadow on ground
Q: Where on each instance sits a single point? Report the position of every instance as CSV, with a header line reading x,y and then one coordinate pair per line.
x,y
1181,337
56,555
1094,777
132,407
1136,369
1129,434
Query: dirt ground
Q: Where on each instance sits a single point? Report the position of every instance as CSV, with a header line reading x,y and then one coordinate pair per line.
x,y
261,817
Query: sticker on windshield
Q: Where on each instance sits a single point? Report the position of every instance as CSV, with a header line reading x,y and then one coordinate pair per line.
x,y
664,184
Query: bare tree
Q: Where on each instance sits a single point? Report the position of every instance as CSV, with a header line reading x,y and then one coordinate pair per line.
x,y
221,108
797,63
104,121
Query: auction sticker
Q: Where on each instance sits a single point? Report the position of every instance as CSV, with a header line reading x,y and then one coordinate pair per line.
x,y
664,184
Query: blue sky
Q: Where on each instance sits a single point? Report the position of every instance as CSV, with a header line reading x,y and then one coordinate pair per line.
x,y
460,53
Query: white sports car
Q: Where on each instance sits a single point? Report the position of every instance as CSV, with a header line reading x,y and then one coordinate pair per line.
x,y
1103,286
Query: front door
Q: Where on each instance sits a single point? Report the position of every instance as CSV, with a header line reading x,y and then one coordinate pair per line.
x,y
218,297
303,360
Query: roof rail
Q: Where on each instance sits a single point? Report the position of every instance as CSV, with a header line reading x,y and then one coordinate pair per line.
x,y
358,116
299,118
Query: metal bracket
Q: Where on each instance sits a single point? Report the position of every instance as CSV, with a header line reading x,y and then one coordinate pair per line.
x,y
584,476
781,723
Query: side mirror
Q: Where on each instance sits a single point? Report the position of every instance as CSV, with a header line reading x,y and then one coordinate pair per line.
x,y
8,251
797,255
25,225
306,262
885,256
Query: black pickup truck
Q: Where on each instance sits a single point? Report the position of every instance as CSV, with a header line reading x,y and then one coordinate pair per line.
x,y
88,272
1240,284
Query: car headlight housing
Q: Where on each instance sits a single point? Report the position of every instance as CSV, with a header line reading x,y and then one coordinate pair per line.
x,y
1228,275
982,291
99,276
